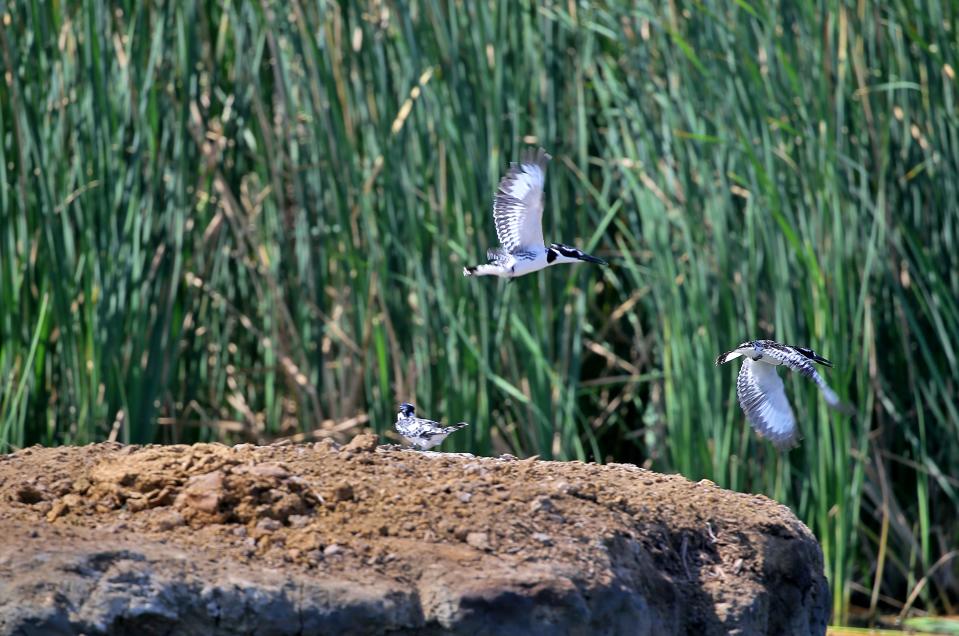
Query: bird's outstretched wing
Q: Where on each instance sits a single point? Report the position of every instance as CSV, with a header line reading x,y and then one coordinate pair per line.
x,y
763,398
800,360
518,205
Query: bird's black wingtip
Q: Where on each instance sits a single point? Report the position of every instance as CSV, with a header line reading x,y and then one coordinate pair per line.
x,y
538,157
782,444
787,445
847,409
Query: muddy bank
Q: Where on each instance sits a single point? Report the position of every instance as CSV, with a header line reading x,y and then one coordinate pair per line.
x,y
362,539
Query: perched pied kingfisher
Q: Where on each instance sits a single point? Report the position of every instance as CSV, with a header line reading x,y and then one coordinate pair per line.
x,y
761,392
420,432
518,215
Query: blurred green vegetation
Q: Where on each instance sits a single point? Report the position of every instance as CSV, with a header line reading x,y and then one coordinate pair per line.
x,y
244,221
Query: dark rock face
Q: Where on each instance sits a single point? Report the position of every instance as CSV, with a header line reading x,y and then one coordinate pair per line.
x,y
146,592
321,540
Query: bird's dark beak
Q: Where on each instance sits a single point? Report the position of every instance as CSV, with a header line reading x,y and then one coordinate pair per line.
x,y
591,259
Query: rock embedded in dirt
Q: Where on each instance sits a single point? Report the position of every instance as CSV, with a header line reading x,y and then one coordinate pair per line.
x,y
343,492
295,539
201,494
364,443
479,540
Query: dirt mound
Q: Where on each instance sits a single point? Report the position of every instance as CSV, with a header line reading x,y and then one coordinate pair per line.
x,y
211,486
366,539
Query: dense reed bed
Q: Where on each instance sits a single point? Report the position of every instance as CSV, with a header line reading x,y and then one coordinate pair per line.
x,y
248,221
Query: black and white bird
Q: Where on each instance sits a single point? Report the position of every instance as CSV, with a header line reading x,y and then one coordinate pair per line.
x,y
761,393
518,215
420,432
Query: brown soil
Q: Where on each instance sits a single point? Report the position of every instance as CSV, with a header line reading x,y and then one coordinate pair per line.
x,y
445,534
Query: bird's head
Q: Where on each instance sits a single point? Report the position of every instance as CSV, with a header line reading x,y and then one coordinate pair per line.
x,y
752,348
407,409
812,355
559,253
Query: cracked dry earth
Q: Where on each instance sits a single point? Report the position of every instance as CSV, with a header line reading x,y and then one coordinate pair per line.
x,y
361,539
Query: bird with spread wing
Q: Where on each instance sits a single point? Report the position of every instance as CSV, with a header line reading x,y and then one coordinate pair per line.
x,y
762,394
518,216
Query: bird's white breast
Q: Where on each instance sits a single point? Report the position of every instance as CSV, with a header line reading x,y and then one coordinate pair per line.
x,y
755,356
522,265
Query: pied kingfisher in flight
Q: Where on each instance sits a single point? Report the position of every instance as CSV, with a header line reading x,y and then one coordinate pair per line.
x,y
420,432
761,393
518,215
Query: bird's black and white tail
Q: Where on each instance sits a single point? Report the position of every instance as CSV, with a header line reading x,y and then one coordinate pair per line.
x,y
481,270
455,427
